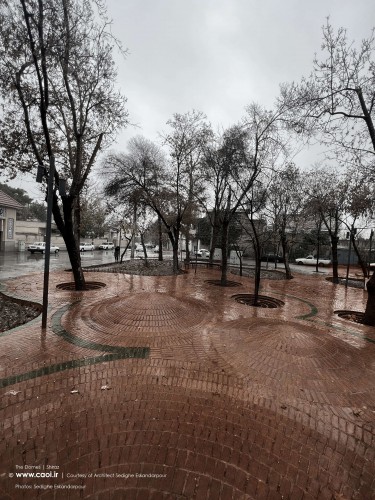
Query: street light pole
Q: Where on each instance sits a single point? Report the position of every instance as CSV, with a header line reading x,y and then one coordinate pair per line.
x,y
48,240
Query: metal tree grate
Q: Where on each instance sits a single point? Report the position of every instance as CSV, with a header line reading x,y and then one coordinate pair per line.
x,y
218,283
89,285
263,301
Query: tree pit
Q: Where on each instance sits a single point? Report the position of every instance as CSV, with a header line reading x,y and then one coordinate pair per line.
x,y
227,284
89,285
354,316
15,312
263,301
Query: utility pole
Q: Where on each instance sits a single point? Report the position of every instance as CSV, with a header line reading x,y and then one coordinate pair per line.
x,y
50,176
42,172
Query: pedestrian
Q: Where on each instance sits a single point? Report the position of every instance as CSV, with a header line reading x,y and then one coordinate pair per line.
x,y
117,253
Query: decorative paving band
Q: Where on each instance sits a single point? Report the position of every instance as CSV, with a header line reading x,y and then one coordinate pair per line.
x,y
346,330
130,352
72,339
314,311
113,353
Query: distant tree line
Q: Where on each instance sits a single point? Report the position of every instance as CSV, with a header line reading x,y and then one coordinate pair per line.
x,y
60,108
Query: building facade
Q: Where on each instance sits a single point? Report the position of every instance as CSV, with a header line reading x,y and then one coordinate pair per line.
x,y
8,208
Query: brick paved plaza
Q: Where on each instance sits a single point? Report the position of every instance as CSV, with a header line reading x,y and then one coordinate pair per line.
x,y
166,387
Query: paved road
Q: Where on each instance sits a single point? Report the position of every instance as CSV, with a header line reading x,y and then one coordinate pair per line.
x,y
13,264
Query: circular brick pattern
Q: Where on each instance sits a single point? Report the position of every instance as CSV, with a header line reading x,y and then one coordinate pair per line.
x,y
298,361
246,403
176,441
146,319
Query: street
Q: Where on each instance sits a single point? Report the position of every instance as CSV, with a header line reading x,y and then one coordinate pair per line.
x,y
13,264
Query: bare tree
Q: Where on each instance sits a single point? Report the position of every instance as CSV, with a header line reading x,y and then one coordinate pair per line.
x,y
186,142
337,102
143,170
328,198
285,205
57,73
216,171
169,185
233,164
360,208
253,207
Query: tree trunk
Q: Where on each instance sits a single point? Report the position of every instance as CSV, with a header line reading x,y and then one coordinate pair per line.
x,y
77,219
176,269
224,252
335,261
257,276
66,228
173,237
258,264
318,247
160,255
134,230
187,251
359,256
285,247
369,318
213,242
127,246
143,245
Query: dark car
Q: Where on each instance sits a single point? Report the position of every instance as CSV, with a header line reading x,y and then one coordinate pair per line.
x,y
271,257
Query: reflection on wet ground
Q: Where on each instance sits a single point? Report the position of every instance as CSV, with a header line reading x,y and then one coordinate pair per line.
x,y
13,264
171,376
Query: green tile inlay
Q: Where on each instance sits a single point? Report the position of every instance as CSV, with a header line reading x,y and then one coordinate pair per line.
x,y
130,352
113,353
73,339
313,308
347,330
314,312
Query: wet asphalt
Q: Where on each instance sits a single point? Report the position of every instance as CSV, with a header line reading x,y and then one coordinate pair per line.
x,y
14,264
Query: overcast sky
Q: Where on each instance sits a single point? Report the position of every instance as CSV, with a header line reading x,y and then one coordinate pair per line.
x,y
217,56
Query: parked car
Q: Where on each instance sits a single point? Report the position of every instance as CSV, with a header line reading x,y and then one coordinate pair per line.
x,y
106,246
201,251
40,247
271,257
86,247
310,260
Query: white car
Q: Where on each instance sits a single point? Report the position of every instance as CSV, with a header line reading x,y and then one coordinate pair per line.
x,y
106,246
201,252
86,247
40,247
310,260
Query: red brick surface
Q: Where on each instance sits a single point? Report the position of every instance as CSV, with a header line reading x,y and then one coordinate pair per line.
x,y
231,402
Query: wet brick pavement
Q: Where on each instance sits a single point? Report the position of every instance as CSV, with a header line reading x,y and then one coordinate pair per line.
x,y
167,388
